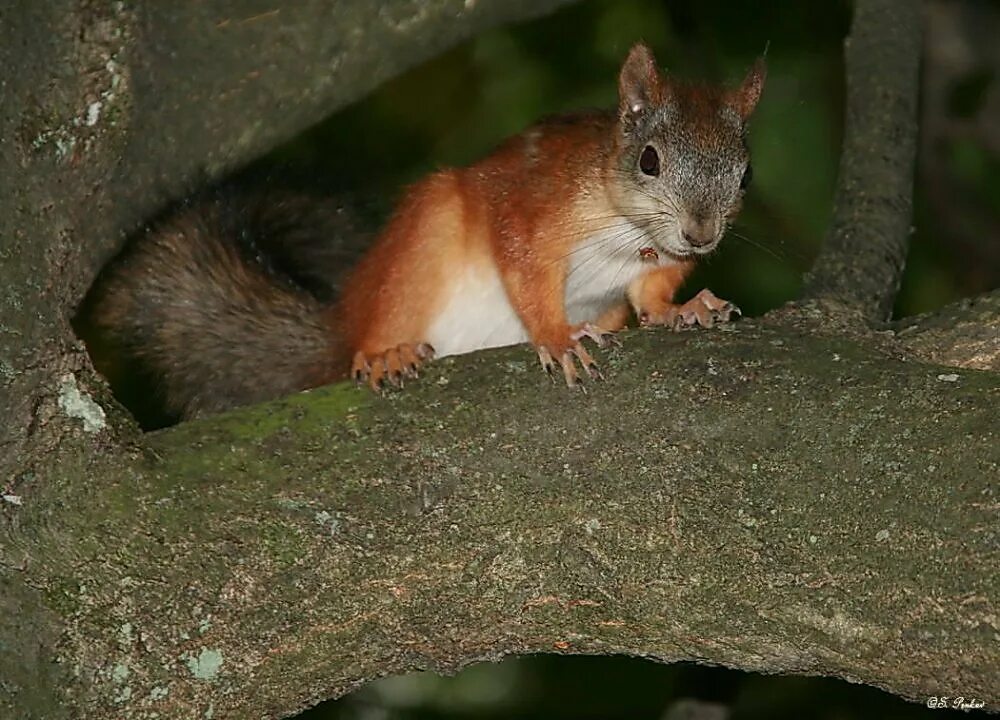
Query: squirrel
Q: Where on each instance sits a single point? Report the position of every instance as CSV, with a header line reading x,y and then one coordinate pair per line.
x,y
556,236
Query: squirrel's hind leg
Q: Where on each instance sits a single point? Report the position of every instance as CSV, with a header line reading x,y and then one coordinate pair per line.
x,y
614,318
390,366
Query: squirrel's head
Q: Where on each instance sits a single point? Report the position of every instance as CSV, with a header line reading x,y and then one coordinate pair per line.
x,y
682,162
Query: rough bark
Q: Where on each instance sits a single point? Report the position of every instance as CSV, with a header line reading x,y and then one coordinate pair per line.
x,y
965,334
762,498
792,494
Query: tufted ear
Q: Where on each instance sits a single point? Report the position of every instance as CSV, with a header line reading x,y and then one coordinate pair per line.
x,y
640,85
744,98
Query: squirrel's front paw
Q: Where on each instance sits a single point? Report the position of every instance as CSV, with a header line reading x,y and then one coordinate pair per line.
x,y
390,366
567,352
703,309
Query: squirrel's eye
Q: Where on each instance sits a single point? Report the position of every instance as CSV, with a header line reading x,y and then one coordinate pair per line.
x,y
649,161
747,177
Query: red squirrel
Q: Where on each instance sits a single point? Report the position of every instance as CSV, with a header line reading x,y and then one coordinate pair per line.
x,y
556,236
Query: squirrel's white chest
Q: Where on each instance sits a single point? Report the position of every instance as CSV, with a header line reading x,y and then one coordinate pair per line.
x,y
478,314
601,268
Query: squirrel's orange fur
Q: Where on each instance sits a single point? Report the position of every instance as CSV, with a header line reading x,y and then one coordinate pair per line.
x,y
521,215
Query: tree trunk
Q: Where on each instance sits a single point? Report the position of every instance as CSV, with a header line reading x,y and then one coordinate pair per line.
x,y
798,493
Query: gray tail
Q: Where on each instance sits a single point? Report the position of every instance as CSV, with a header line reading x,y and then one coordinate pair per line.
x,y
225,302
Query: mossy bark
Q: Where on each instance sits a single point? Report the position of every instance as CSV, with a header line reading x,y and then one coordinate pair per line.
x,y
757,497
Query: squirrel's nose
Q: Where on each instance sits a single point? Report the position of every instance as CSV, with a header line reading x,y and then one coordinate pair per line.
x,y
699,239
699,230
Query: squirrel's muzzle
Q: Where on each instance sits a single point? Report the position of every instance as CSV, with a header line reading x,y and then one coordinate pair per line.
x,y
699,233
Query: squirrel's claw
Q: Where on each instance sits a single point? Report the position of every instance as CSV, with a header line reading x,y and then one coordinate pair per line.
x,y
706,309
576,352
703,309
360,369
599,335
390,367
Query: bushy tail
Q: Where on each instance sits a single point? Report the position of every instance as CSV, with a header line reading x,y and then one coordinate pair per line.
x,y
226,301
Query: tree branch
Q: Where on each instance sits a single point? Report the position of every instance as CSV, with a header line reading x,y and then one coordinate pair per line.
x,y
862,260
756,498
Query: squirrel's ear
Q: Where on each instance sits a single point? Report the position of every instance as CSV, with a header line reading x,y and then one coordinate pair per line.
x,y
639,83
744,98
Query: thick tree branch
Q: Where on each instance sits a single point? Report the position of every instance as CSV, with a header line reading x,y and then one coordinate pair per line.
x,y
757,498
862,260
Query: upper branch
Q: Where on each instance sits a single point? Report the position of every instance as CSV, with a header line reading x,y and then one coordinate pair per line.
x,y
861,263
